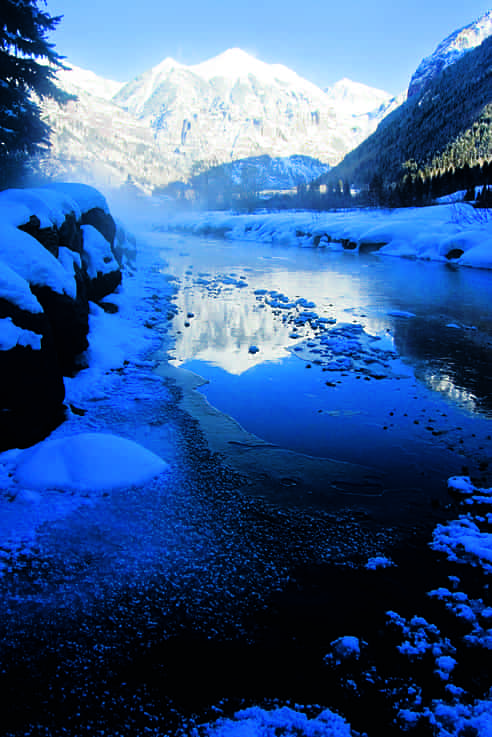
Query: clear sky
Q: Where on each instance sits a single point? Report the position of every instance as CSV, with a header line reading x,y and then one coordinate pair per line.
x,y
379,43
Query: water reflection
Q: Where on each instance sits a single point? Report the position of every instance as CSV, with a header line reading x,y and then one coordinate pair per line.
x,y
452,359
447,342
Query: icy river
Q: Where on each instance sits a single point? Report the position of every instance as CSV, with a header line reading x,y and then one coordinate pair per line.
x,y
374,374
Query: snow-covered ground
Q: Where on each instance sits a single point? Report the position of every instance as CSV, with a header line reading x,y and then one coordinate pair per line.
x,y
72,466
51,480
454,232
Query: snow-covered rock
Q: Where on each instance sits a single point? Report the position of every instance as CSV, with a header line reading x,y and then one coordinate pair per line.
x,y
47,275
102,269
255,721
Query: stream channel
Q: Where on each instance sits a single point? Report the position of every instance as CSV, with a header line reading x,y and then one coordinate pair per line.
x,y
353,377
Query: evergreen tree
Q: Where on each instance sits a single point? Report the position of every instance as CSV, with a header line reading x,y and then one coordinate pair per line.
x,y
28,64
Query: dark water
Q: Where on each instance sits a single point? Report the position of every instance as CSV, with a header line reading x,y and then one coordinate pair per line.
x,y
423,410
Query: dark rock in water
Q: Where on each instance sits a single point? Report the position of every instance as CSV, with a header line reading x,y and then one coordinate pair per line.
x,y
101,221
454,253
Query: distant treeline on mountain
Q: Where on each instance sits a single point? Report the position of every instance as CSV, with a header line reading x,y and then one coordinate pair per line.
x,y
435,141
244,180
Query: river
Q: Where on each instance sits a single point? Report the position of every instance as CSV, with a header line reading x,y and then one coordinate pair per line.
x,y
361,378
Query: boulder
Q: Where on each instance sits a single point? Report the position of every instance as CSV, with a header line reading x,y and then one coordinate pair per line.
x,y
48,237
70,234
69,322
51,266
101,221
32,389
102,270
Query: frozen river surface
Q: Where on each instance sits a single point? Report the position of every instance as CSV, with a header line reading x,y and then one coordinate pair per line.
x,y
383,363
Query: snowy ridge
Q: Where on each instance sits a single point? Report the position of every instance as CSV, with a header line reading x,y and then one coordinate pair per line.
x,y
450,50
76,79
270,174
354,98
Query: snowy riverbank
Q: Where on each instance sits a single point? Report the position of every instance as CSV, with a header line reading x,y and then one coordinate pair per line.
x,y
117,342
455,233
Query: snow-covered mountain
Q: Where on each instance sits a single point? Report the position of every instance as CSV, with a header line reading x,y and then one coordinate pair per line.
x,y
175,120
235,106
449,51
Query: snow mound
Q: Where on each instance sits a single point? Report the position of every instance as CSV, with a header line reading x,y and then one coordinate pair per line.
x,y
257,722
87,462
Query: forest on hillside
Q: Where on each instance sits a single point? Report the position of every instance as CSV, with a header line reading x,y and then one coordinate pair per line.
x,y
446,129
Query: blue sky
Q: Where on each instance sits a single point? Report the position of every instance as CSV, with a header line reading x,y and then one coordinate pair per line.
x,y
379,43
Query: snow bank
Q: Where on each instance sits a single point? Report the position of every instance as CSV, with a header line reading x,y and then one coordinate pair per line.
x,y
87,462
436,233
467,539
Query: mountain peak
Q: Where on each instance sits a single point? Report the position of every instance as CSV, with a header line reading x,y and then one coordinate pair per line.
x,y
355,98
166,65
450,50
235,63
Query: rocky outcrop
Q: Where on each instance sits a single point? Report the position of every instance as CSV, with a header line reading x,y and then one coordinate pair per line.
x,y
56,255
